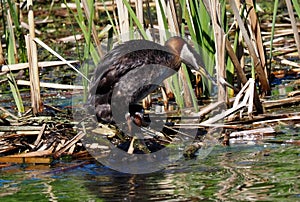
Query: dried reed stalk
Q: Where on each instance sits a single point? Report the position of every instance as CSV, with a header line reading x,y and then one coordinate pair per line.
x,y
294,24
256,60
41,132
103,6
172,17
59,57
36,102
242,76
215,11
1,54
52,85
160,20
34,160
139,11
256,33
69,144
123,20
19,66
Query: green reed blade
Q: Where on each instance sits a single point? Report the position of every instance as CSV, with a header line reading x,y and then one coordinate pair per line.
x,y
192,92
176,89
11,57
79,17
164,18
297,7
15,92
86,67
110,19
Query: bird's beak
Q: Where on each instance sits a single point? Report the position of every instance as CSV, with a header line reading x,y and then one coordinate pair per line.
x,y
194,60
203,72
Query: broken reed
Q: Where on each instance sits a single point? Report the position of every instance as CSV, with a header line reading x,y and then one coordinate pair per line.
x,y
296,7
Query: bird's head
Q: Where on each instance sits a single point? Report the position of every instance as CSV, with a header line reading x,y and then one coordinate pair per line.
x,y
187,55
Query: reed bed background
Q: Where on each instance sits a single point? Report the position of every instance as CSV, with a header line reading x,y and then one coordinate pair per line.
x,y
228,33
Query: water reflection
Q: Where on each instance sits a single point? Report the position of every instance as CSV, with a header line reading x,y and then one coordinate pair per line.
x,y
236,173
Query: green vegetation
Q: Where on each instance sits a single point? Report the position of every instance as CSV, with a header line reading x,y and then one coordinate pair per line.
x,y
15,54
192,19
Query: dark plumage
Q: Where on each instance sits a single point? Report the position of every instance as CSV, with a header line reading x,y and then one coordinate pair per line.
x,y
132,70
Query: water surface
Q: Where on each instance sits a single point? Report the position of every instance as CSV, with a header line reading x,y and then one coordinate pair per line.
x,y
269,172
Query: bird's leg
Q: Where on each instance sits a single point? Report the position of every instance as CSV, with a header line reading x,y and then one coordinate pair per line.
x,y
136,119
129,122
135,133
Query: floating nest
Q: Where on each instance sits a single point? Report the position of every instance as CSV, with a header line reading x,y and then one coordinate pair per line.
x,y
50,137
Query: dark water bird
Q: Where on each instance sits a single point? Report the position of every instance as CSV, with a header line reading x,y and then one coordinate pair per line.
x,y
134,69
